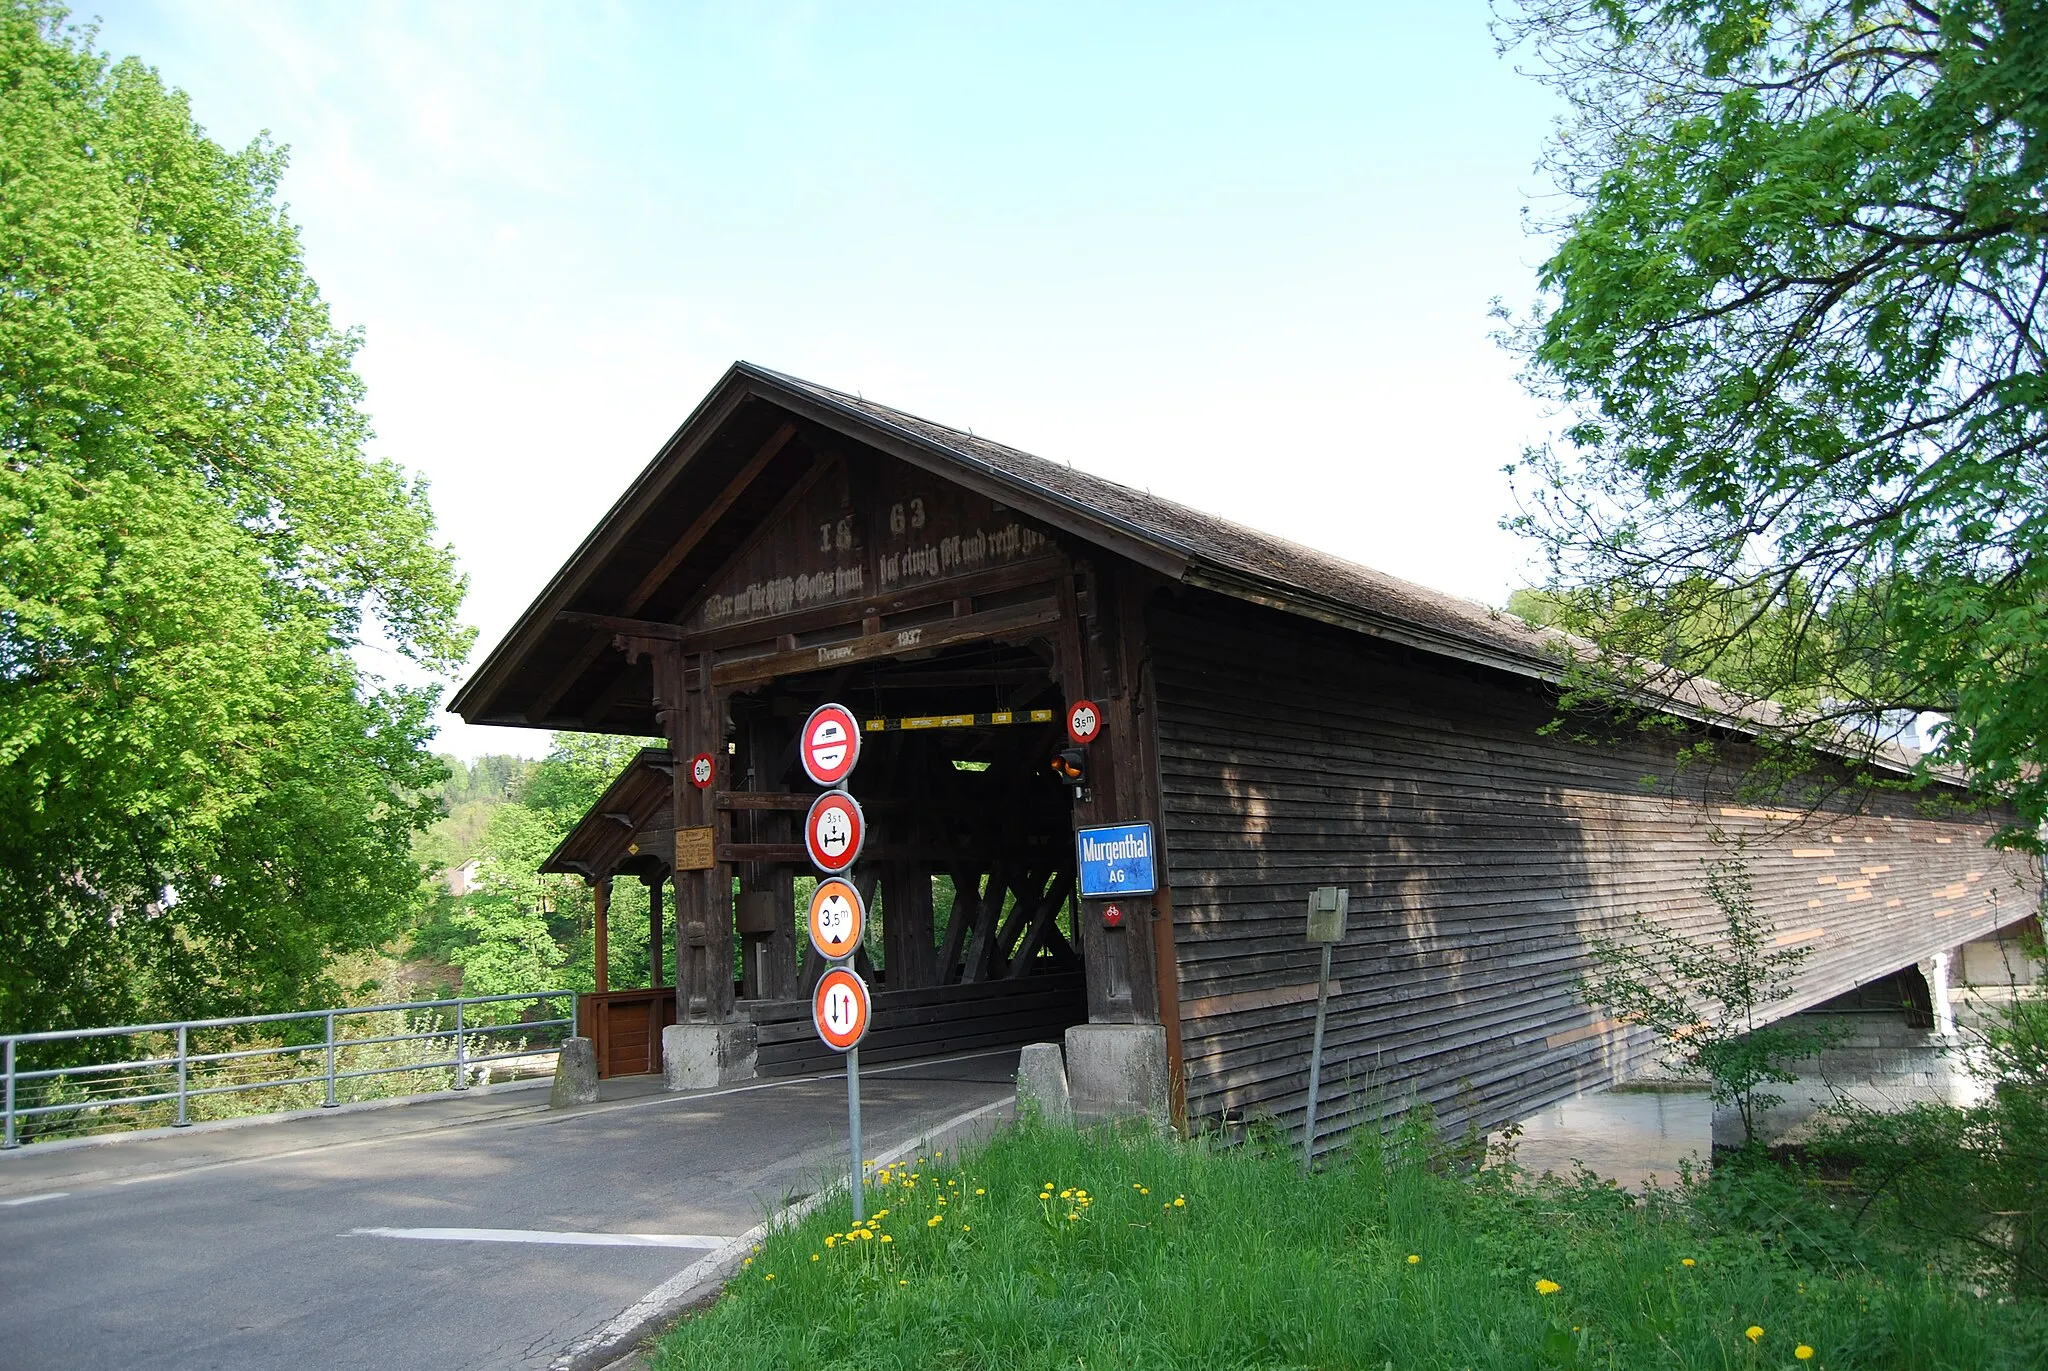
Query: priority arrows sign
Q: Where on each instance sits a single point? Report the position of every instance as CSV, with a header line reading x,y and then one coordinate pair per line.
x,y
840,1009
834,831
830,746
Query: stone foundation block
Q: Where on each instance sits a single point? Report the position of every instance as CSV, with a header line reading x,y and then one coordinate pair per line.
x,y
575,1074
1042,1084
698,1056
1117,1070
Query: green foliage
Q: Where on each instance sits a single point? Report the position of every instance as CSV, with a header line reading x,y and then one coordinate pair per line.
x,y
1796,315
1965,1185
519,930
1375,1260
202,796
1704,997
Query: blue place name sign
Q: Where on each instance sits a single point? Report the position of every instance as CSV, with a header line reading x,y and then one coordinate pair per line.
x,y
1116,859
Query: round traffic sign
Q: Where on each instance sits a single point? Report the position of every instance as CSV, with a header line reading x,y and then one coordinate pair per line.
x,y
837,919
834,831
840,1009
1084,722
830,744
702,769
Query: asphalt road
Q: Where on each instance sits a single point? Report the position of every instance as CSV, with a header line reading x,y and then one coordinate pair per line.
x,y
239,1248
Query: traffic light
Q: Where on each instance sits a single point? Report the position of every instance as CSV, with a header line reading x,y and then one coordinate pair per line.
x,y
1070,764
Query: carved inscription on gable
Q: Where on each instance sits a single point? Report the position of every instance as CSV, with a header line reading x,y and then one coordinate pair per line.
x,y
866,531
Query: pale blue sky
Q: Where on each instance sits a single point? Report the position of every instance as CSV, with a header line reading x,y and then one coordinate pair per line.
x,y
1238,254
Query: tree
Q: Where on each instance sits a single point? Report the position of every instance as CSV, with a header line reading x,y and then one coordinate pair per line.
x,y
1794,323
519,930
202,795
1705,997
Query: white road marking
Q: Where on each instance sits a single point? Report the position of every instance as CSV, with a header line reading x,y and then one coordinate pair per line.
x,y
36,1199
663,1299
544,1235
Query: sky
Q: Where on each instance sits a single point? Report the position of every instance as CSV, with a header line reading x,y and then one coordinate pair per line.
x,y
1242,256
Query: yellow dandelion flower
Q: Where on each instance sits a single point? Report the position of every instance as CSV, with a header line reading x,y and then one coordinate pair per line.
x,y
934,1221
1803,1352
1547,1287
979,1190
903,1282
1180,1202
831,1240
887,1238
748,1262
1414,1260
1754,1332
770,1276
866,1234
942,1199
1066,1194
1072,1216
1143,1191
814,1256
1687,1261
966,1228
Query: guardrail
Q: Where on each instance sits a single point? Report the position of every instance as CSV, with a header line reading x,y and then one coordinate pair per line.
x,y
164,1085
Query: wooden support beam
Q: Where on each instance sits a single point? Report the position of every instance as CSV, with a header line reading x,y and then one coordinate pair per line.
x,y
601,950
580,661
994,623
653,930
702,525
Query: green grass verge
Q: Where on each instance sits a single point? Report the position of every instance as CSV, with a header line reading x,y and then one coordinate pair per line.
x,y
1048,1248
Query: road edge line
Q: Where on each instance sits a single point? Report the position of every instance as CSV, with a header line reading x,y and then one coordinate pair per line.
x,y
708,1275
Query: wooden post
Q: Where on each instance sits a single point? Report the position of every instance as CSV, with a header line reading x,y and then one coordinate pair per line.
x,y
907,925
601,952
653,930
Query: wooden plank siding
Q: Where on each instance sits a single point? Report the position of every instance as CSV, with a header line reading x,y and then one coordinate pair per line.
x,y
1480,851
925,1022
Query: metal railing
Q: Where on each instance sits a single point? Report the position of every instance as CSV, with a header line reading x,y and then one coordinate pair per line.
x,y
163,1085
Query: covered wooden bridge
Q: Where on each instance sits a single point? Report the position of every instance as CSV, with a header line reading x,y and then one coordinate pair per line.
x,y
1283,720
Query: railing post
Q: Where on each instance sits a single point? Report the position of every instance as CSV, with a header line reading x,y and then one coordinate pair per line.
x,y
182,1120
8,1140
328,1103
461,1055
572,1014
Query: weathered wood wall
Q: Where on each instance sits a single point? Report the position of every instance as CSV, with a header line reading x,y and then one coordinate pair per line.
x,y
1480,853
933,1021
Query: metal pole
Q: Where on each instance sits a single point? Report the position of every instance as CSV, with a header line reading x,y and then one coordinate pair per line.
x,y
328,1103
8,1139
461,1056
853,1130
1315,1065
182,1120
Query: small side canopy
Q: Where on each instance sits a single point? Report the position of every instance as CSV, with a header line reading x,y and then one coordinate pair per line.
x,y
631,828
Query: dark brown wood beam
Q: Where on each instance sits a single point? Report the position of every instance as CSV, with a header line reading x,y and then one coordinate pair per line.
x,y
994,623
705,522
580,661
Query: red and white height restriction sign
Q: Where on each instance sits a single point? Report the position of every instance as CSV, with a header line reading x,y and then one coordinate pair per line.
x,y
840,1009
702,770
834,831
830,745
1084,722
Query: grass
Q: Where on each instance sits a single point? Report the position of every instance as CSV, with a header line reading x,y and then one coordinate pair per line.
x,y
1049,1248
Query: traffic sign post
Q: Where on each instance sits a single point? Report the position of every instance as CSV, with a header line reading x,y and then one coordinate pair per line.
x,y
834,832
837,919
830,745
